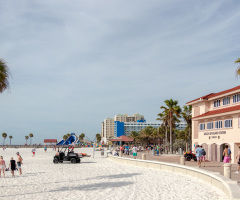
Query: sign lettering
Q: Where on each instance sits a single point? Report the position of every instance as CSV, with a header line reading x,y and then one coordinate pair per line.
x,y
215,133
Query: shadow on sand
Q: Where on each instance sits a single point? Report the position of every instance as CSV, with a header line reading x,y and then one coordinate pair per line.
x,y
87,187
95,186
115,176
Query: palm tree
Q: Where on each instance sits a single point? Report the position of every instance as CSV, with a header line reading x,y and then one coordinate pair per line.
x,y
26,138
160,133
187,116
10,137
81,137
147,133
65,137
173,112
164,118
134,135
98,137
30,135
68,134
154,135
4,135
238,69
4,75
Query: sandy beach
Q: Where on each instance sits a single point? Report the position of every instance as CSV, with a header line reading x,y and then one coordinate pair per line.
x,y
96,178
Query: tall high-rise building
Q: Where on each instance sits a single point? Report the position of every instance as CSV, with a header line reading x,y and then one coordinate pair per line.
x,y
107,129
126,118
109,124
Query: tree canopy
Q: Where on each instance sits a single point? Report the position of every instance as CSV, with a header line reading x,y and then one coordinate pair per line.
x,y
4,76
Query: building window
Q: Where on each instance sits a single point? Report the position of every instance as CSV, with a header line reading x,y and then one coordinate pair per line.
x,y
236,98
226,101
216,103
228,123
210,125
202,127
218,124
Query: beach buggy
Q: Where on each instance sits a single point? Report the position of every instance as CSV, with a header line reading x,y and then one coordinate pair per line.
x,y
67,154
189,156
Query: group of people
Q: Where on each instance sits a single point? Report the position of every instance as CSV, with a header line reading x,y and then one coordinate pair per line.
x,y
127,150
200,154
13,165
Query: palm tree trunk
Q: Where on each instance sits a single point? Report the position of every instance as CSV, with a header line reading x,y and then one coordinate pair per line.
x,y
166,140
189,138
10,142
171,135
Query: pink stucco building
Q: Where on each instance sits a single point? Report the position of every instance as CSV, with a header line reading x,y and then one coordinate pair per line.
x,y
216,122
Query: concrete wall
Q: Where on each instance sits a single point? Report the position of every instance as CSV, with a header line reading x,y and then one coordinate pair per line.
x,y
230,187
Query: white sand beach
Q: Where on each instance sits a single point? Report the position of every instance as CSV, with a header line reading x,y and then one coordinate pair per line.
x,y
96,178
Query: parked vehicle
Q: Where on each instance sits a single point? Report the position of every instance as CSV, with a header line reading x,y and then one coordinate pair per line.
x,y
189,156
67,154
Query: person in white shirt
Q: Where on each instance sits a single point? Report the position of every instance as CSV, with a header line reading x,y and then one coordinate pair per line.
x,y
134,150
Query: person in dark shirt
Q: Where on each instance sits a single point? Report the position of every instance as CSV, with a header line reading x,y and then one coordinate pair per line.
x,y
12,166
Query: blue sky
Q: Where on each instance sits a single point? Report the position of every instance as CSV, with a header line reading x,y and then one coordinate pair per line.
x,y
75,63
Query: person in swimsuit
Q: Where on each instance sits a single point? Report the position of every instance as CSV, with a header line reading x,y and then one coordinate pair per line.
x,y
238,157
2,167
12,166
19,162
227,154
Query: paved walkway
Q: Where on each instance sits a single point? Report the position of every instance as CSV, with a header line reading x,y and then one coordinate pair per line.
x,y
212,166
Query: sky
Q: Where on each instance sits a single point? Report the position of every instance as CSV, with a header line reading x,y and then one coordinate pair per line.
x,y
75,63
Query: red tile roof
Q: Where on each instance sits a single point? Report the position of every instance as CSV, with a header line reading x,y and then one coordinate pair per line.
x,y
219,111
50,141
203,97
122,138
215,94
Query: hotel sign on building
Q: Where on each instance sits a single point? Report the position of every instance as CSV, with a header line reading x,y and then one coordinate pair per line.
x,y
216,122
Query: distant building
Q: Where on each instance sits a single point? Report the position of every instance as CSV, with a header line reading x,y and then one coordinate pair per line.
x,y
124,125
181,126
138,126
107,128
50,141
126,118
109,125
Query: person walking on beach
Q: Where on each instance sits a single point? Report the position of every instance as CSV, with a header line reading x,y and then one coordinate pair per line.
x,y
12,166
121,148
199,155
2,167
238,157
19,163
33,152
227,154
157,150
203,155
45,149
127,149
134,150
